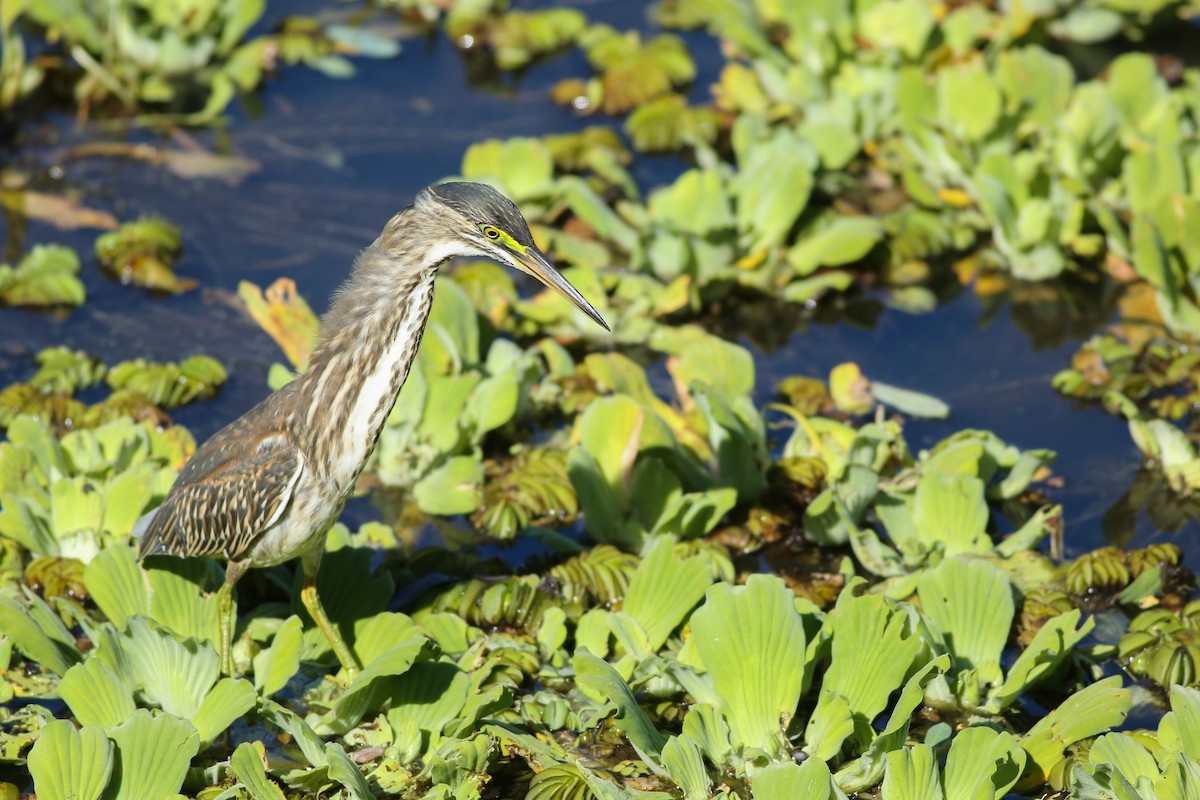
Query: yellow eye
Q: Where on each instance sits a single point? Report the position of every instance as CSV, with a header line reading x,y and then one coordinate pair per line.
x,y
491,232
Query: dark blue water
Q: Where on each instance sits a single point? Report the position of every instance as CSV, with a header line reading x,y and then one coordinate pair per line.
x,y
338,158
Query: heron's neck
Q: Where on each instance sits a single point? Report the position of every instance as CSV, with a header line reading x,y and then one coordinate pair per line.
x,y
368,342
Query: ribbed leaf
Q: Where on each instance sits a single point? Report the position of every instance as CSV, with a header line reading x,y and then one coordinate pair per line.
x,y
685,765
432,692
983,764
228,700
663,589
117,584
867,771
864,629
705,726
752,641
343,770
971,604
1126,755
950,509
152,757
96,694
810,780
176,675
305,738
70,764
559,782
1180,727
1092,710
178,599
1052,644
247,765
276,665
597,679
47,648
355,701
912,774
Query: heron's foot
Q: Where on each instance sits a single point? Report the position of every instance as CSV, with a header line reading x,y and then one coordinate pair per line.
x,y
312,602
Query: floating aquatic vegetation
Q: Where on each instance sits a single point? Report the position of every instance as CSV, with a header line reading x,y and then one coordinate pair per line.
x,y
1163,647
1149,378
530,488
142,252
170,385
632,72
48,275
187,60
66,497
932,506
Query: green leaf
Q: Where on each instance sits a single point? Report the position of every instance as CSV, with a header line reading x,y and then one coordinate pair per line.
x,y
395,661
53,648
153,754
752,642
609,430
523,167
453,488
247,764
906,401
46,276
117,584
227,702
861,629
695,203
773,186
179,599
276,665
1180,727
1091,711
845,240
950,510
310,744
96,694
983,764
810,780
597,679
968,100
343,770
685,765
912,774
431,692
970,603
1052,645
663,589
1127,757
70,764
175,674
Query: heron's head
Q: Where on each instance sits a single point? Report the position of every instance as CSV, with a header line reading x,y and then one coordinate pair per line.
x,y
473,219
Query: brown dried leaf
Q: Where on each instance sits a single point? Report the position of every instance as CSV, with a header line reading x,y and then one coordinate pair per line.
x,y
64,213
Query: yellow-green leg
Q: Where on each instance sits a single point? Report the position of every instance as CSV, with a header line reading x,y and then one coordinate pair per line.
x,y
310,562
227,613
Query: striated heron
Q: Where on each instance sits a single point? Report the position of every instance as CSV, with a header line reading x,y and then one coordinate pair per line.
x,y
268,486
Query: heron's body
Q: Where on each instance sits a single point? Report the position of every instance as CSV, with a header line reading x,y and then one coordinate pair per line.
x,y
267,487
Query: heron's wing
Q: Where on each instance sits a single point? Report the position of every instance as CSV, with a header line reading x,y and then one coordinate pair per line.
x,y
231,491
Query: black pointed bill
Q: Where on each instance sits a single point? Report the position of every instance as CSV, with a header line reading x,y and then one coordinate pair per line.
x,y
537,265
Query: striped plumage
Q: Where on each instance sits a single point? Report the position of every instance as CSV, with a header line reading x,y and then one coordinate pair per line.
x,y
266,488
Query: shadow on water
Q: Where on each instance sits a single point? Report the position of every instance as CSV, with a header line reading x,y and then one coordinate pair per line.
x,y
338,158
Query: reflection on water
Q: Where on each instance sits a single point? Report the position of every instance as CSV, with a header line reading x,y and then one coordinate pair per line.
x,y
339,158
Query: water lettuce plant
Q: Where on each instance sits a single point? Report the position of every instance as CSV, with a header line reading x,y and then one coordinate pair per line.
x,y
640,653
187,59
